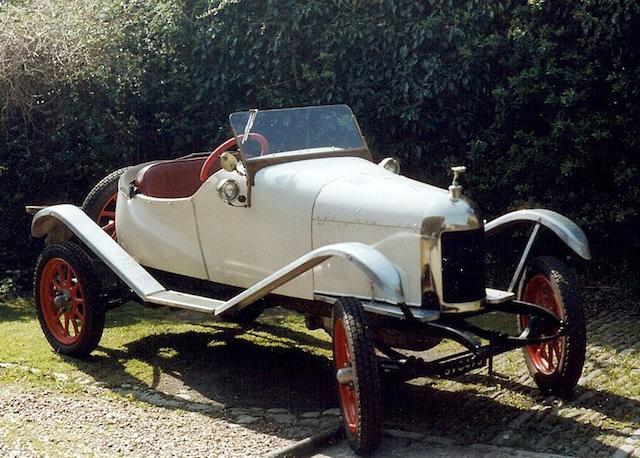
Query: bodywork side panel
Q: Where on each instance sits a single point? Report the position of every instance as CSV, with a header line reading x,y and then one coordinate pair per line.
x,y
160,233
339,277
243,245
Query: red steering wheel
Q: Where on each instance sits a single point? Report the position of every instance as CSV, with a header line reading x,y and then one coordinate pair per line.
x,y
205,171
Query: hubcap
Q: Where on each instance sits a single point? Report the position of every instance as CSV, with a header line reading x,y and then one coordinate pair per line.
x,y
545,356
62,301
345,375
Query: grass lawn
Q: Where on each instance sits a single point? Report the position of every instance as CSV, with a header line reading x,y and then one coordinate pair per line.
x,y
137,340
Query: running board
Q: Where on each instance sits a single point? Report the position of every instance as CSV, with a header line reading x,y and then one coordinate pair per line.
x,y
184,301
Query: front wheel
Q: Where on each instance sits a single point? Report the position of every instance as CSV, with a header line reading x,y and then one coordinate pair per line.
x,y
357,374
555,365
68,301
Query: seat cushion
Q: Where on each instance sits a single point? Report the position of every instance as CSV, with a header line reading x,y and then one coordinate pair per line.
x,y
170,179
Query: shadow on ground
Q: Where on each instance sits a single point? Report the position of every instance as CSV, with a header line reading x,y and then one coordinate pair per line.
x,y
223,367
230,366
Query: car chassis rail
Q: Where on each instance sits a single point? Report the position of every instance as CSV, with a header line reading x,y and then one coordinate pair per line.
x,y
477,355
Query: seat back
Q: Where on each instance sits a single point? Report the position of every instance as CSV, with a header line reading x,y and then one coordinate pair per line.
x,y
170,179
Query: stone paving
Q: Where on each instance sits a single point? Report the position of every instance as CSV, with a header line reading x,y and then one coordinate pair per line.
x,y
395,446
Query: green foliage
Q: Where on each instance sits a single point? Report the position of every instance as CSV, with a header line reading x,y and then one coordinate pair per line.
x,y
120,97
566,127
539,99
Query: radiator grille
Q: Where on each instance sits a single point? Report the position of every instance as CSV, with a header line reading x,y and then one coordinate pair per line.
x,y
463,276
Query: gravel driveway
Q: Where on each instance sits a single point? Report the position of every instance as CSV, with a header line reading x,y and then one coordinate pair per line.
x,y
46,423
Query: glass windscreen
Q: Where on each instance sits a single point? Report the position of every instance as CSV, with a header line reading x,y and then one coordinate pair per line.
x,y
296,130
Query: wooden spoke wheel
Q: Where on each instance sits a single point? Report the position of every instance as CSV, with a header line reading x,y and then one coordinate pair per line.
x,y
100,203
357,375
68,301
555,365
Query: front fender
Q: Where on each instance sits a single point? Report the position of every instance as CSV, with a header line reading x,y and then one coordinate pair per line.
x,y
374,264
568,231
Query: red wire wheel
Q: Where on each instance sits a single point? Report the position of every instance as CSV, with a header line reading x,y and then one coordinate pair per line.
x,y
556,365
68,300
357,375
345,390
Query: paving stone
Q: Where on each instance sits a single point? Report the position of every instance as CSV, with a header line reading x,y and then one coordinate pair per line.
x,y
277,410
283,418
626,352
311,414
328,422
624,451
438,440
399,434
60,377
246,420
199,407
332,412
309,422
520,420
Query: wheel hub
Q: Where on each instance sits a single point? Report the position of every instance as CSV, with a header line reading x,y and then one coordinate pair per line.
x,y
62,301
344,375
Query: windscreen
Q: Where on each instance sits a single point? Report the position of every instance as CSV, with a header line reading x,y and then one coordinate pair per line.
x,y
296,130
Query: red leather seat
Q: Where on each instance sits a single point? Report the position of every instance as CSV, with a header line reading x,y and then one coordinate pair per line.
x,y
170,179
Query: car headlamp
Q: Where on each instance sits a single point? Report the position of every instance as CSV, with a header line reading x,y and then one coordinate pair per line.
x,y
391,164
228,190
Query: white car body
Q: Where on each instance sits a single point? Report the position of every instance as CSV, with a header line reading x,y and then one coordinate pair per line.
x,y
296,202
295,208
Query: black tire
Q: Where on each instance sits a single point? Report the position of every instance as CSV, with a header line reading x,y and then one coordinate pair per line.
x,y
557,377
100,196
360,399
85,303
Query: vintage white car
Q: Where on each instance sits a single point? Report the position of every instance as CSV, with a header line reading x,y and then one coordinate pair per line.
x,y
299,216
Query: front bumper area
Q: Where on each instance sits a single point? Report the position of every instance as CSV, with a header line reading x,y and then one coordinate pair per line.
x,y
481,345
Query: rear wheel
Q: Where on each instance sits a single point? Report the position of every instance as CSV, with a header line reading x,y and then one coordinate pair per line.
x,y
68,301
555,365
357,374
100,203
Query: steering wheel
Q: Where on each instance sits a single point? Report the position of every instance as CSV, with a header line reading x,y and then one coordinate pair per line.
x,y
205,171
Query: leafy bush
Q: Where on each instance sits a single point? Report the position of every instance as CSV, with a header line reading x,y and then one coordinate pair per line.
x,y
110,82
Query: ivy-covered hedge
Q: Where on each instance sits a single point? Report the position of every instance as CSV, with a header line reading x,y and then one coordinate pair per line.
x,y
539,99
